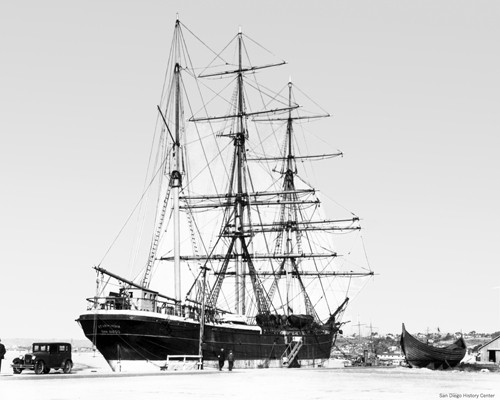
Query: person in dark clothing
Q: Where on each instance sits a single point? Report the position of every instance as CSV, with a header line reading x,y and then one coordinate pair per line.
x,y
230,360
2,354
222,358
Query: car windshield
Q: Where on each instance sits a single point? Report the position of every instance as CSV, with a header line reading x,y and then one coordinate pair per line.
x,y
40,347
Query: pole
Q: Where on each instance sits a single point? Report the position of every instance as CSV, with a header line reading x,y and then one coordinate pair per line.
x,y
202,316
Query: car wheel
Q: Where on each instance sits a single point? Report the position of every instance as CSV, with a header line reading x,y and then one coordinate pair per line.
x,y
39,367
67,366
16,366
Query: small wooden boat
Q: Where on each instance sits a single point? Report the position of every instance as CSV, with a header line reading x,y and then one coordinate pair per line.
x,y
421,355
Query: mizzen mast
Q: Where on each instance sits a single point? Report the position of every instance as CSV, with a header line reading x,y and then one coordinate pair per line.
x,y
175,184
174,102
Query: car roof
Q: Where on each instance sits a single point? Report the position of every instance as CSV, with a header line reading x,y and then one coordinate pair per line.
x,y
48,343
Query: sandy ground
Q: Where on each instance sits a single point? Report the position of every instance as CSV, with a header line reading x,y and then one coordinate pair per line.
x,y
92,379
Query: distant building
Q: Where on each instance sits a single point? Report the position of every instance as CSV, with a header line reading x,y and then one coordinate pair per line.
x,y
490,351
391,359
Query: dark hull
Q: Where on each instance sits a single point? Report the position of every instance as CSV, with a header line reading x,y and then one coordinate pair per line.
x,y
421,355
130,336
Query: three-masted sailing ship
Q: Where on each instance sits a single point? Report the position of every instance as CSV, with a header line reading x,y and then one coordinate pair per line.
x,y
237,222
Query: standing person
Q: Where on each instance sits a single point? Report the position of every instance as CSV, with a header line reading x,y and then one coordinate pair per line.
x,y
230,360
2,354
222,358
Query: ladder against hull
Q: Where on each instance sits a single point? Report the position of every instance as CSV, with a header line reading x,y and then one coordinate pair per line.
x,y
289,356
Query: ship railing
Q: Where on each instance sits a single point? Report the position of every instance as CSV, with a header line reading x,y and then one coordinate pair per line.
x,y
153,305
127,303
142,304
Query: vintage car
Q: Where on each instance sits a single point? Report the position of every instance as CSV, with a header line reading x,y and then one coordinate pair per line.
x,y
45,356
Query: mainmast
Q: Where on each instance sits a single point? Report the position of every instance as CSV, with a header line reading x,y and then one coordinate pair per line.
x,y
238,201
288,185
239,143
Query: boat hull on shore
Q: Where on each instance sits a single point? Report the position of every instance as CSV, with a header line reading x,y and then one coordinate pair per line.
x,y
134,338
421,355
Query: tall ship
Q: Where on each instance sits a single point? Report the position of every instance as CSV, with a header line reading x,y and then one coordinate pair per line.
x,y
240,256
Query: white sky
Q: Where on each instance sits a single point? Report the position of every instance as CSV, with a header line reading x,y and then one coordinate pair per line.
x,y
414,89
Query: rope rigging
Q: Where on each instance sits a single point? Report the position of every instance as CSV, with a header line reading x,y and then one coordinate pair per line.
x,y
242,210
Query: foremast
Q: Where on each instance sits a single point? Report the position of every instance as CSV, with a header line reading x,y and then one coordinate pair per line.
x,y
293,228
289,217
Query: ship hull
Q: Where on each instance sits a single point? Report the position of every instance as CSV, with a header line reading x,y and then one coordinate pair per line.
x,y
421,355
127,338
